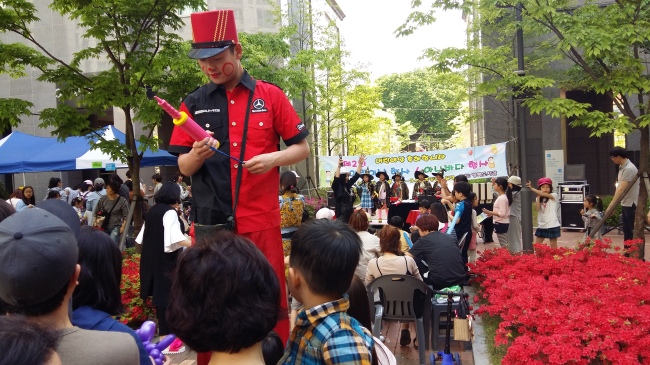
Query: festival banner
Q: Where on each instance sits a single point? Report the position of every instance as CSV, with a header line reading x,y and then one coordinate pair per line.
x,y
479,162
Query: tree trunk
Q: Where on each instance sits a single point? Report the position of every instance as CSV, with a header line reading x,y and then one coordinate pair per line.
x,y
134,167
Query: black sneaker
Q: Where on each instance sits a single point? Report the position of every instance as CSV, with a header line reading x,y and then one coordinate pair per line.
x,y
405,338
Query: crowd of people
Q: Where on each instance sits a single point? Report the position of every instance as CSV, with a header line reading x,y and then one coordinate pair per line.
x,y
223,291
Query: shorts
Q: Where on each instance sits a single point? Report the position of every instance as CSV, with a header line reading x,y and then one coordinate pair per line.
x,y
548,232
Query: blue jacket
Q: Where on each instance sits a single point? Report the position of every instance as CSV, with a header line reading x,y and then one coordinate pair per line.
x,y
92,319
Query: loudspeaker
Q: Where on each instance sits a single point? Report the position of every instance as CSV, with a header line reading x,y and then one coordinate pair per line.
x,y
331,201
571,218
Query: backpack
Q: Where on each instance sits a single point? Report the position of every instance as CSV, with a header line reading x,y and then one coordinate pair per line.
x,y
291,211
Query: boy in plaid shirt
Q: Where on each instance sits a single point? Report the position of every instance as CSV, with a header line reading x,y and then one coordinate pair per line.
x,y
324,255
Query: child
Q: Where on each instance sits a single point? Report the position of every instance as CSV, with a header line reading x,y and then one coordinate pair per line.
x,y
366,191
424,208
593,214
500,213
463,212
548,225
78,205
471,251
320,248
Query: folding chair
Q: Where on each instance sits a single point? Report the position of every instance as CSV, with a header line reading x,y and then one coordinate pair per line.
x,y
398,295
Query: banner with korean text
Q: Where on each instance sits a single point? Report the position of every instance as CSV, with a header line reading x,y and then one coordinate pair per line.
x,y
479,162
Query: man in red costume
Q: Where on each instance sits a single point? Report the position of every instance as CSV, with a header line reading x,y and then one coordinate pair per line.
x,y
221,107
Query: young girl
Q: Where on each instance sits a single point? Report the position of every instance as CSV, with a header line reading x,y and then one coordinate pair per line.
x,y
78,205
366,190
471,251
548,224
591,215
500,213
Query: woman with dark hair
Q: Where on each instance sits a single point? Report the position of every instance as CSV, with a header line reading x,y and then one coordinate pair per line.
x,y
55,184
15,197
97,298
23,341
28,200
211,311
392,261
370,243
162,238
441,213
113,209
292,205
342,187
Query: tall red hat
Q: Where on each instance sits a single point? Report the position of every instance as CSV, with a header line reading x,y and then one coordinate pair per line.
x,y
212,33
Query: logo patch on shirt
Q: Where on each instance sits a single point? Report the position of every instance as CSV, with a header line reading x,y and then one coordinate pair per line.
x,y
259,106
207,111
300,126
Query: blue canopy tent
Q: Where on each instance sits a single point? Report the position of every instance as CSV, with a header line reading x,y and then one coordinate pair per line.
x,y
20,152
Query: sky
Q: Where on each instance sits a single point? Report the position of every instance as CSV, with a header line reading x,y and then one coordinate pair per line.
x,y
368,32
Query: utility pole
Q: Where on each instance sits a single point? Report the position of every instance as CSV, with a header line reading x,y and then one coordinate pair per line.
x,y
526,193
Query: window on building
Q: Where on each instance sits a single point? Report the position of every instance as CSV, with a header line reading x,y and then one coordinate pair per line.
x,y
265,18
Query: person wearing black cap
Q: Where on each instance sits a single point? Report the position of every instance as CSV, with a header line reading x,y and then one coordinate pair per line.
x,y
343,192
246,119
420,187
383,193
399,189
38,274
366,191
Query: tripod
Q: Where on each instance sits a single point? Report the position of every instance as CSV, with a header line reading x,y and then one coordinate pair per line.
x,y
309,182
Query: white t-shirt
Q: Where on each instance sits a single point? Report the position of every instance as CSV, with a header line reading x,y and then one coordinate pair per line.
x,y
173,232
547,214
370,250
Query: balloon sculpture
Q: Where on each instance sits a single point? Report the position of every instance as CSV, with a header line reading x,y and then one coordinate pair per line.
x,y
146,333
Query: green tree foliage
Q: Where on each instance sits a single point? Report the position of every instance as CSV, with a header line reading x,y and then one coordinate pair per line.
x,y
369,130
427,99
334,80
139,41
592,46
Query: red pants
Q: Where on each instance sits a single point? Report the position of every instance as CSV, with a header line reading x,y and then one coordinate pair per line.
x,y
270,243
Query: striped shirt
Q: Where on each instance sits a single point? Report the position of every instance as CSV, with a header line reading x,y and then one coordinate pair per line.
x,y
326,334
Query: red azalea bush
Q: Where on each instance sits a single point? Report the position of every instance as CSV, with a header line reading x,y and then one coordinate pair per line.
x,y
590,305
137,311
313,205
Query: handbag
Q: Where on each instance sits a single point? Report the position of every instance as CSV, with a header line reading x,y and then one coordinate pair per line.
x,y
230,225
102,220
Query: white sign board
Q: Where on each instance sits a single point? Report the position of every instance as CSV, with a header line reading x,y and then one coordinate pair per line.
x,y
554,166
479,162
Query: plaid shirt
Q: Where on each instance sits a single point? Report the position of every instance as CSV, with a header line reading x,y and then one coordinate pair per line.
x,y
326,334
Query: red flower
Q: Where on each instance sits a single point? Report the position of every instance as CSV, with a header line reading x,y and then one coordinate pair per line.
x,y
137,311
590,305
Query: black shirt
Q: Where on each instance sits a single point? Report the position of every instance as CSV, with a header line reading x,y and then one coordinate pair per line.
x,y
442,255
